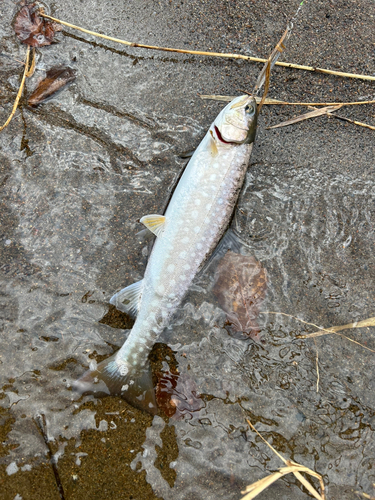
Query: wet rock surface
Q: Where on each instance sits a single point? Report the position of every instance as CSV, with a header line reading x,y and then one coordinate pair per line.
x,y
79,171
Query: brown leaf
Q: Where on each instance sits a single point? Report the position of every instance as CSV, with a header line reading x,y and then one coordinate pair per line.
x,y
56,79
32,29
240,287
177,395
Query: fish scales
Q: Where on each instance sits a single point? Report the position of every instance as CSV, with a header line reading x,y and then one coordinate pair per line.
x,y
194,222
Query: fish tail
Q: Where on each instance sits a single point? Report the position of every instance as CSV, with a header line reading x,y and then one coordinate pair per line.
x,y
116,377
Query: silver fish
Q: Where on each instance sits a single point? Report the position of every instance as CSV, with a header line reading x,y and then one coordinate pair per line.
x,y
195,220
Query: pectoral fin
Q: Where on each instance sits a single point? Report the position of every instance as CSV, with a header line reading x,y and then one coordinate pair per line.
x,y
155,223
213,148
128,299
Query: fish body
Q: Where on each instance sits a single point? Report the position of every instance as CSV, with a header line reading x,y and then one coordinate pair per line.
x,y
195,220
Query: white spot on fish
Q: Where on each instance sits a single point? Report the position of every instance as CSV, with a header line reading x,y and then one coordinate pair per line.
x,y
123,368
212,177
125,387
187,266
194,214
197,201
161,288
171,268
197,229
183,254
185,240
199,246
220,201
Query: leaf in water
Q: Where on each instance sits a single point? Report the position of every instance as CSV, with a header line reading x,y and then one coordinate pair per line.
x,y
177,395
240,287
56,79
32,29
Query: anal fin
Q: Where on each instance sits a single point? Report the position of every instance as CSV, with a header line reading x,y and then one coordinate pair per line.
x,y
128,299
154,222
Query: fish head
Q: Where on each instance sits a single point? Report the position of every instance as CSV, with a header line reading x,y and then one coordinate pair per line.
x,y
237,122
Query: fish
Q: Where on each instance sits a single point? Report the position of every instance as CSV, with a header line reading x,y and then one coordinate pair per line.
x,y
195,220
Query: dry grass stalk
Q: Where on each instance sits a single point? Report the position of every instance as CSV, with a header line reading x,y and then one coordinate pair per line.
x,y
265,73
331,106
27,72
334,329
270,101
228,98
266,85
355,122
210,54
306,116
317,367
31,70
322,111
364,495
254,489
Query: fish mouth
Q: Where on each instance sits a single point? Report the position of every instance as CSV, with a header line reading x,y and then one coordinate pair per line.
x,y
221,138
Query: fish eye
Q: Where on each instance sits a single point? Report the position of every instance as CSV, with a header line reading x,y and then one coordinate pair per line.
x,y
249,109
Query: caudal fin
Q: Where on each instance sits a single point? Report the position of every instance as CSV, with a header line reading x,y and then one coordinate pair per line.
x,y
117,378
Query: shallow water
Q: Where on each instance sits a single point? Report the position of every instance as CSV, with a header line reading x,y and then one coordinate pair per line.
x,y
76,175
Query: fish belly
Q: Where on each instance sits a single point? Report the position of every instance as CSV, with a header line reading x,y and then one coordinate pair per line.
x,y
196,218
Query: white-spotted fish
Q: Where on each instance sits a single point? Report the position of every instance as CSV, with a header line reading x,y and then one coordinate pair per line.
x,y
195,220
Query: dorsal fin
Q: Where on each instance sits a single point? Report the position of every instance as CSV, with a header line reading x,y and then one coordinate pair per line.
x,y
128,299
155,223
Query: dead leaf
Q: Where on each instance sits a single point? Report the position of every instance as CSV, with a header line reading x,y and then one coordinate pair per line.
x,y
56,79
240,287
32,29
306,116
177,395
